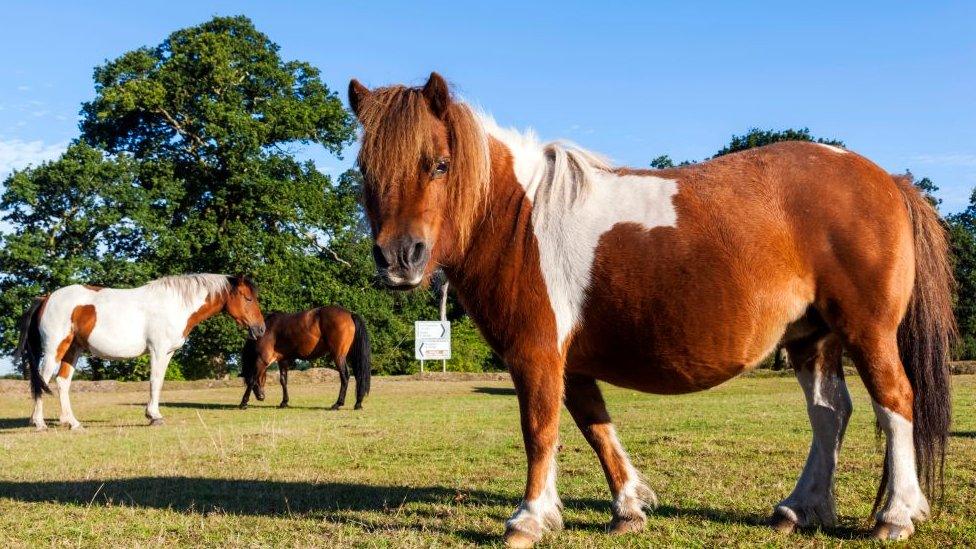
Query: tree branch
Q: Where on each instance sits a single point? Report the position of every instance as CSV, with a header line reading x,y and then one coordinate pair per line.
x,y
315,242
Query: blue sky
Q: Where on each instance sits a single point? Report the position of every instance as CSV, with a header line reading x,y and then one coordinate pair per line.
x,y
895,81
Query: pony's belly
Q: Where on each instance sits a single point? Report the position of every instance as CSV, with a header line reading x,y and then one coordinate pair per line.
x,y
116,342
654,376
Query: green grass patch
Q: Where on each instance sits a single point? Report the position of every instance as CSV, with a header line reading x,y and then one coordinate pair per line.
x,y
432,463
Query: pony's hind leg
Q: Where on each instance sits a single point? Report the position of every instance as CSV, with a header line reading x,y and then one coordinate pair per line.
x,y
340,363
283,367
630,494
63,378
881,369
817,362
49,365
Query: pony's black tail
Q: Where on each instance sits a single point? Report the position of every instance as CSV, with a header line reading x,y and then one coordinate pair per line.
x,y
29,348
925,337
249,361
360,357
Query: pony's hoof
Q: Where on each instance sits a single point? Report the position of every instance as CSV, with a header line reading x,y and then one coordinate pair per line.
x,y
41,427
242,406
77,427
782,523
156,422
891,532
283,405
518,539
625,525
336,406
358,407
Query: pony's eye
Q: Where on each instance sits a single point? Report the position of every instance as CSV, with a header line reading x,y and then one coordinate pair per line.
x,y
441,167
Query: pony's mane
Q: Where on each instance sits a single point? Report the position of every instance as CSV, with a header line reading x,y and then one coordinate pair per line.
x,y
556,175
190,286
397,125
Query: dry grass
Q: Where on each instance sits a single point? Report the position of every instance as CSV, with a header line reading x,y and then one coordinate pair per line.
x,y
431,463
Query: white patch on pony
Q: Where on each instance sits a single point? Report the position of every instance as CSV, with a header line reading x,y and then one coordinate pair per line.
x,y
542,514
829,407
832,148
575,200
904,498
635,495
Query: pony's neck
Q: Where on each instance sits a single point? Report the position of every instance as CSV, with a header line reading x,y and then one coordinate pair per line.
x,y
498,276
213,304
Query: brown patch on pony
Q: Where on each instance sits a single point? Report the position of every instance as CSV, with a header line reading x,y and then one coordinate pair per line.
x,y
93,288
401,134
212,306
64,346
83,322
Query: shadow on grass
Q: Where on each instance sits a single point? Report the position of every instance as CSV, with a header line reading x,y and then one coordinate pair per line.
x,y
13,423
225,406
963,434
333,501
494,390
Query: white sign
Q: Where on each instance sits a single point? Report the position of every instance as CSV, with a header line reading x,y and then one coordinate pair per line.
x,y
432,340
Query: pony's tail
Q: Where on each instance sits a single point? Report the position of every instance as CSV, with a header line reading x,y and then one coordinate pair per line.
x,y
249,361
360,357
925,338
29,347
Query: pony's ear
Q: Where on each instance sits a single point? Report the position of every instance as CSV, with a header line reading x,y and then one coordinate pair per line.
x,y
438,94
357,94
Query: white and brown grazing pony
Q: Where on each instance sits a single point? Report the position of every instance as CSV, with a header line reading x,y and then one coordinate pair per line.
x,y
671,281
115,323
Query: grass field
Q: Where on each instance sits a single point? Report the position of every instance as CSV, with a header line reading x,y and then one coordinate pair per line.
x,y
432,463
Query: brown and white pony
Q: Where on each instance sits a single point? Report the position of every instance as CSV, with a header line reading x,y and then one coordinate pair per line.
x,y
125,323
671,281
308,335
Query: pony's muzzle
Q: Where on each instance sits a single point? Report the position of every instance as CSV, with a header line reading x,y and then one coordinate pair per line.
x,y
402,262
255,331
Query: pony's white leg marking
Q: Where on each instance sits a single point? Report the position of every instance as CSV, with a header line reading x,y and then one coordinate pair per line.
x,y
536,517
67,415
157,371
49,365
829,407
904,498
37,416
635,495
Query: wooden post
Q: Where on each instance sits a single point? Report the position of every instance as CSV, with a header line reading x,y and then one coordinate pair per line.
x,y
444,287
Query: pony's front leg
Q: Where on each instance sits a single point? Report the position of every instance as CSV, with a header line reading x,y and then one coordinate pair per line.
x,y
157,371
539,385
630,494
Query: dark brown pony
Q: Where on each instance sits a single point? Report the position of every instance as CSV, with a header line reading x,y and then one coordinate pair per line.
x,y
671,281
308,335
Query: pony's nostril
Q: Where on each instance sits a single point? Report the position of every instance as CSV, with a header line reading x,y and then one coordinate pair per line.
x,y
417,252
379,257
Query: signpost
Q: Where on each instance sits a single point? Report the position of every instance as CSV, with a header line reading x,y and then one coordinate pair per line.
x,y
432,341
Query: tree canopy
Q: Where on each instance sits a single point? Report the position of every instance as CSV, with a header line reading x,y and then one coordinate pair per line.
x,y
186,163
